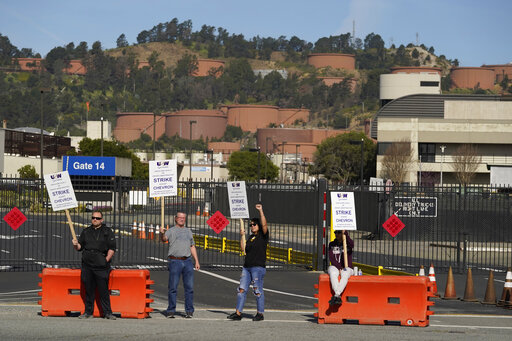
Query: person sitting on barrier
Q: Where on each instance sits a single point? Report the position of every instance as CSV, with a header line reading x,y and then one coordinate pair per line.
x,y
181,251
338,267
253,270
98,245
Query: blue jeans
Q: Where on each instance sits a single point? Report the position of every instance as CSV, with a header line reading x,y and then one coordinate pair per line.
x,y
179,267
253,275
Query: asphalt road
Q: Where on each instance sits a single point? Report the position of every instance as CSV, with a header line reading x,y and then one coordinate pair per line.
x,y
289,313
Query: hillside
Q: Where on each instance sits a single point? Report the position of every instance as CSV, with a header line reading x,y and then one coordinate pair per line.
x,y
171,53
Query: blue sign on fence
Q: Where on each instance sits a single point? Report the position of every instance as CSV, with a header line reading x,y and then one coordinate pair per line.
x,y
89,165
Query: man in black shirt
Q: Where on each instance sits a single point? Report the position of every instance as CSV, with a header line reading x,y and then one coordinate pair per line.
x,y
98,245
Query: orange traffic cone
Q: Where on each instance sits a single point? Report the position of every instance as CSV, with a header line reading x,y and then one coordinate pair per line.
x,y
157,233
151,232
422,271
490,293
449,291
198,212
469,292
134,229
143,231
206,213
432,277
506,296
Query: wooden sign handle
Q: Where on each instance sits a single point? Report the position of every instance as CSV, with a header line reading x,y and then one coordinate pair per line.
x,y
70,223
162,212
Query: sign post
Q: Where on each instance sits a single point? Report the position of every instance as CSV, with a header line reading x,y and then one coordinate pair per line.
x,y
238,206
343,212
62,195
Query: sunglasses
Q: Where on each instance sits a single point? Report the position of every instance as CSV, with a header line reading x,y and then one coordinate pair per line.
x,y
96,218
253,224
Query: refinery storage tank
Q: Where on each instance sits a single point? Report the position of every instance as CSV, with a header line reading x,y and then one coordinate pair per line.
x,y
205,65
471,77
130,125
334,60
28,64
208,123
500,71
416,69
287,116
251,117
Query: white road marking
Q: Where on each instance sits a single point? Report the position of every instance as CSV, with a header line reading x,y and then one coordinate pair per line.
x,y
56,236
266,290
5,251
22,236
468,327
473,315
42,263
19,292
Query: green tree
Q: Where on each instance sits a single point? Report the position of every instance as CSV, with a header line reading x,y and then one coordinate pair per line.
x,y
90,147
232,133
28,172
121,41
339,160
186,66
243,165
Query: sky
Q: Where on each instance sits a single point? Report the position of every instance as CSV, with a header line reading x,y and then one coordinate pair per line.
x,y
475,32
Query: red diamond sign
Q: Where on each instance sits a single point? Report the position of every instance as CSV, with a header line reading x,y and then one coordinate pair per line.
x,y
393,225
217,222
15,218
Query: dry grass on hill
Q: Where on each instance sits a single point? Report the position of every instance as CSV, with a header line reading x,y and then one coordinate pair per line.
x,y
171,53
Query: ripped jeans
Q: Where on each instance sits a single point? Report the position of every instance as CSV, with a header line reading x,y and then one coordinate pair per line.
x,y
253,275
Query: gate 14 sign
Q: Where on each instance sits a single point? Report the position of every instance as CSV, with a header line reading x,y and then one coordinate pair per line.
x,y
89,165
163,178
416,207
343,211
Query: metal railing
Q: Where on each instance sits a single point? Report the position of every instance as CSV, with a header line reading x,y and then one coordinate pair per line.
x,y
468,227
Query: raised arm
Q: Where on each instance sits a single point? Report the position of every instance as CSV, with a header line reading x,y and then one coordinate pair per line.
x,y
263,220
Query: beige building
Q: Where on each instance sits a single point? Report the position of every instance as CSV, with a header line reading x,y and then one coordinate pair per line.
x,y
437,125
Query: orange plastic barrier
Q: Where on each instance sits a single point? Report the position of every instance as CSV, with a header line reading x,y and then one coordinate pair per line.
x,y
62,292
377,300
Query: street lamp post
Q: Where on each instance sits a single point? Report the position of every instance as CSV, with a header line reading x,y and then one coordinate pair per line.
x,y
361,142
210,151
266,153
42,143
282,162
297,162
101,146
257,150
190,164
443,147
154,136
419,180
